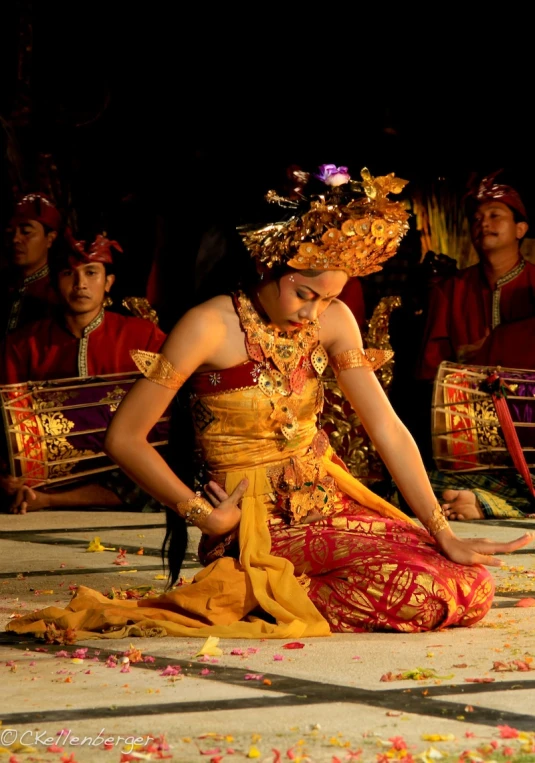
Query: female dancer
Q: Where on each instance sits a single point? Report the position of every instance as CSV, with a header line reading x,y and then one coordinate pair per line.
x,y
292,544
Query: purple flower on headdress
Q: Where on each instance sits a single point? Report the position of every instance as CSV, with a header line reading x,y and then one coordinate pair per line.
x,y
333,175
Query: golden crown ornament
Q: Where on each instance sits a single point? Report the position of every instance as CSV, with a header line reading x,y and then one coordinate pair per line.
x,y
347,225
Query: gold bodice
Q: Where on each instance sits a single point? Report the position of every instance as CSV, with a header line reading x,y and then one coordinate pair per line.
x,y
240,432
259,421
241,428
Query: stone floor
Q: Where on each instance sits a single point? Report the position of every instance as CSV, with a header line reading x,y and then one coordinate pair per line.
x,y
258,700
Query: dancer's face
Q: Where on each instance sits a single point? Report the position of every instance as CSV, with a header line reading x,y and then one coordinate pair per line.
x,y
296,299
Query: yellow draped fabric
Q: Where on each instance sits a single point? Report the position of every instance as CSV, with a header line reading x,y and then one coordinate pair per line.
x,y
257,596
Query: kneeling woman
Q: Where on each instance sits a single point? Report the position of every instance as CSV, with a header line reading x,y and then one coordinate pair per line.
x,y
292,544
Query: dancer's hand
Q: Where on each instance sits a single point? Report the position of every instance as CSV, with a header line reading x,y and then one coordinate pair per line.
x,y
215,493
478,550
227,514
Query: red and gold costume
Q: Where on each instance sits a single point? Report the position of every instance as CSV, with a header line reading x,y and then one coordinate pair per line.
x,y
315,552
47,350
363,565
464,308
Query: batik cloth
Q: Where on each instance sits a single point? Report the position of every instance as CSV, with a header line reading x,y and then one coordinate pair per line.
x,y
500,494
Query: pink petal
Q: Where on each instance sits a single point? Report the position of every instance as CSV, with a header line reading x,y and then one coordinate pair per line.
x,y
529,602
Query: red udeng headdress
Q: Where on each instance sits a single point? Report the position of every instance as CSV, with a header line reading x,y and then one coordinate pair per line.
x,y
36,206
487,189
100,250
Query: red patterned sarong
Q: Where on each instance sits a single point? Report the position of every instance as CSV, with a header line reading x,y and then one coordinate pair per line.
x,y
366,572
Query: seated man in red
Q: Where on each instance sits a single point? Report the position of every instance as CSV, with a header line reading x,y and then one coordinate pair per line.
x,y
467,308
26,294
81,340
485,315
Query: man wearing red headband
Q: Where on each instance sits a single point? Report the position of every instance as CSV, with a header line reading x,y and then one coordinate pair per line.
x,y
81,340
470,313
26,291
485,315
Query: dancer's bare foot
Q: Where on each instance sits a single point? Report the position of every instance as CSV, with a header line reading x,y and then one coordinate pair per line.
x,y
462,505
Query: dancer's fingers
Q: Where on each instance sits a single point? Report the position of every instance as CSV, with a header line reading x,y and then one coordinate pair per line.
x,y
239,491
217,490
488,561
215,493
488,546
513,545
211,497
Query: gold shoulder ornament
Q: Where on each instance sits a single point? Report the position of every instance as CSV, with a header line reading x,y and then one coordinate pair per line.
x,y
358,358
158,369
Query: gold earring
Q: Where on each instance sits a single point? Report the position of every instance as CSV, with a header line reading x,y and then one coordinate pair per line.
x,y
108,302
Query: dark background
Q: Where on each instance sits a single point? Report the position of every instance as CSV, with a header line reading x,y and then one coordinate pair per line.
x,y
208,101
158,121
155,121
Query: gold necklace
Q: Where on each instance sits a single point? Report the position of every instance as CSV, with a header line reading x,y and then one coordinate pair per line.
x,y
284,348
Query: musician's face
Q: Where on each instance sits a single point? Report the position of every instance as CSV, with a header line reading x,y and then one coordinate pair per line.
x,y
30,245
84,287
493,227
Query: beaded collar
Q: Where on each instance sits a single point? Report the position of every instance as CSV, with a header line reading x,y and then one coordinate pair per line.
x,y
41,273
283,357
284,349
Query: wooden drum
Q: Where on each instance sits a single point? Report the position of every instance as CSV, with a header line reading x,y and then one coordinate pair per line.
x,y
466,433
54,430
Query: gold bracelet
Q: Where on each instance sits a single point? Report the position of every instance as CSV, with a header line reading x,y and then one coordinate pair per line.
x,y
195,510
437,521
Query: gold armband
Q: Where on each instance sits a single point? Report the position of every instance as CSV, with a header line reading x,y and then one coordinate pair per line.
x,y
158,369
357,358
194,510
437,521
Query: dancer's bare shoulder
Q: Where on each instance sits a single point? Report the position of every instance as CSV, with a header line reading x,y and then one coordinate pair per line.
x,y
212,317
215,326
339,326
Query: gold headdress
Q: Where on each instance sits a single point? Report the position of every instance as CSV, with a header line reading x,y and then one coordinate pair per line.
x,y
347,225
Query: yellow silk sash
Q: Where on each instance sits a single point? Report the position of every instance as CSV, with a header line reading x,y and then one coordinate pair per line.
x,y
360,493
223,597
